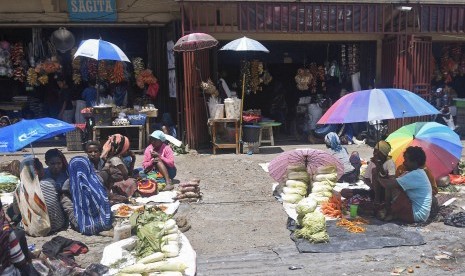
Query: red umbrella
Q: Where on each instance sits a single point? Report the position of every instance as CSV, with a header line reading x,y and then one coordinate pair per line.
x,y
194,42
310,158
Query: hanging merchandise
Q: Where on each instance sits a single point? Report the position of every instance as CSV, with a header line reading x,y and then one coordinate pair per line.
x,y
102,70
138,65
343,68
5,62
353,59
76,65
145,77
17,57
209,88
117,75
303,79
32,77
255,67
245,71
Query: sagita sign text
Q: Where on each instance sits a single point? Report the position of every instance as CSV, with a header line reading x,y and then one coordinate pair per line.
x,y
92,10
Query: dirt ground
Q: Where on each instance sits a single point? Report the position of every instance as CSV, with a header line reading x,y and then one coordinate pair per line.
x,y
240,229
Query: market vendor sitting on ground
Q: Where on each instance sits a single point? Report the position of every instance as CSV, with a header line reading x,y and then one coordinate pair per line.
x,y
410,193
381,165
94,151
160,157
116,175
57,167
337,150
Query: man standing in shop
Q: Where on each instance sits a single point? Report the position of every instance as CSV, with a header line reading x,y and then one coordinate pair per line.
x,y
66,105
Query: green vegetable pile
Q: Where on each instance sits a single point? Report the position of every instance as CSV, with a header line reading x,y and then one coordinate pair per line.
x,y
8,183
149,229
313,228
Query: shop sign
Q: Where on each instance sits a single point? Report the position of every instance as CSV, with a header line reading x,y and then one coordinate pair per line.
x,y
92,10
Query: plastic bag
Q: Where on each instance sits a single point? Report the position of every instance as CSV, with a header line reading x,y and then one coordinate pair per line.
x,y
152,91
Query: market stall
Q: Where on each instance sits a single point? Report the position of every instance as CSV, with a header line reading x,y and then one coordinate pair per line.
x,y
320,220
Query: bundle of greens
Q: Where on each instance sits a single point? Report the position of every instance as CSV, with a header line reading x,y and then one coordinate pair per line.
x,y
313,228
149,227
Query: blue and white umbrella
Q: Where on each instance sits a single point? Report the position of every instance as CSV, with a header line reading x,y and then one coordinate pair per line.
x,y
99,49
17,136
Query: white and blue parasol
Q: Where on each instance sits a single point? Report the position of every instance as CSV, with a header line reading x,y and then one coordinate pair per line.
x,y
99,49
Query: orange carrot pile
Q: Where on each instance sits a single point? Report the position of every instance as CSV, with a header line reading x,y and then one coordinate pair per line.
x,y
333,207
352,226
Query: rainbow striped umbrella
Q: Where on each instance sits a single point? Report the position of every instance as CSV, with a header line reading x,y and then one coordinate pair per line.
x,y
442,146
377,104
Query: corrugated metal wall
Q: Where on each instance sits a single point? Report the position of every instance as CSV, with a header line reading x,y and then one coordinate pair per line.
x,y
407,64
196,68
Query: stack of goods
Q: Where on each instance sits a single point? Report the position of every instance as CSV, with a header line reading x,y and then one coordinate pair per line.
x,y
158,242
324,181
296,185
189,191
313,226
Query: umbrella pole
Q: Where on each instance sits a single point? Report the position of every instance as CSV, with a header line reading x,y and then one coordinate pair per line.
x,y
32,149
98,85
242,108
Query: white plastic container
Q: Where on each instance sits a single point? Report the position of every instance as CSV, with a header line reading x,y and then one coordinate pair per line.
x,y
232,107
219,111
122,231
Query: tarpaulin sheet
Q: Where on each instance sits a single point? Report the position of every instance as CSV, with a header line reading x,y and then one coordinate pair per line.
x,y
378,235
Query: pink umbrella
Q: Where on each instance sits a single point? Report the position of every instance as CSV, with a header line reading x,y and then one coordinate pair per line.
x,y
195,42
310,158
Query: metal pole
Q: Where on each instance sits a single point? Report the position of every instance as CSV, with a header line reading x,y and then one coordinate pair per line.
x,y
242,107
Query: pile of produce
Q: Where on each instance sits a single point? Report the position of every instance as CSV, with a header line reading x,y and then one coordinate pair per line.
x,y
313,228
158,241
297,182
353,226
189,191
332,208
323,183
8,182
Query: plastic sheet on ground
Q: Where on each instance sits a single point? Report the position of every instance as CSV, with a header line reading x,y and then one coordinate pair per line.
x,y
378,235
358,185
121,250
161,197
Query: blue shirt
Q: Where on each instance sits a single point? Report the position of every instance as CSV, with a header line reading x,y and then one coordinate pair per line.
x,y
59,179
90,96
418,188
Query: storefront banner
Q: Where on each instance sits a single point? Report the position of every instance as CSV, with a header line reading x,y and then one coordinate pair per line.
x,y
92,10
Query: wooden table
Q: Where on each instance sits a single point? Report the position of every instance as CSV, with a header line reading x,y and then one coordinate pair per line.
x,y
216,145
121,130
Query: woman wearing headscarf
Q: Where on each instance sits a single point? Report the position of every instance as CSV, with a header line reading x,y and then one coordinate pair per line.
x,y
160,157
116,175
90,199
31,201
337,150
57,167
